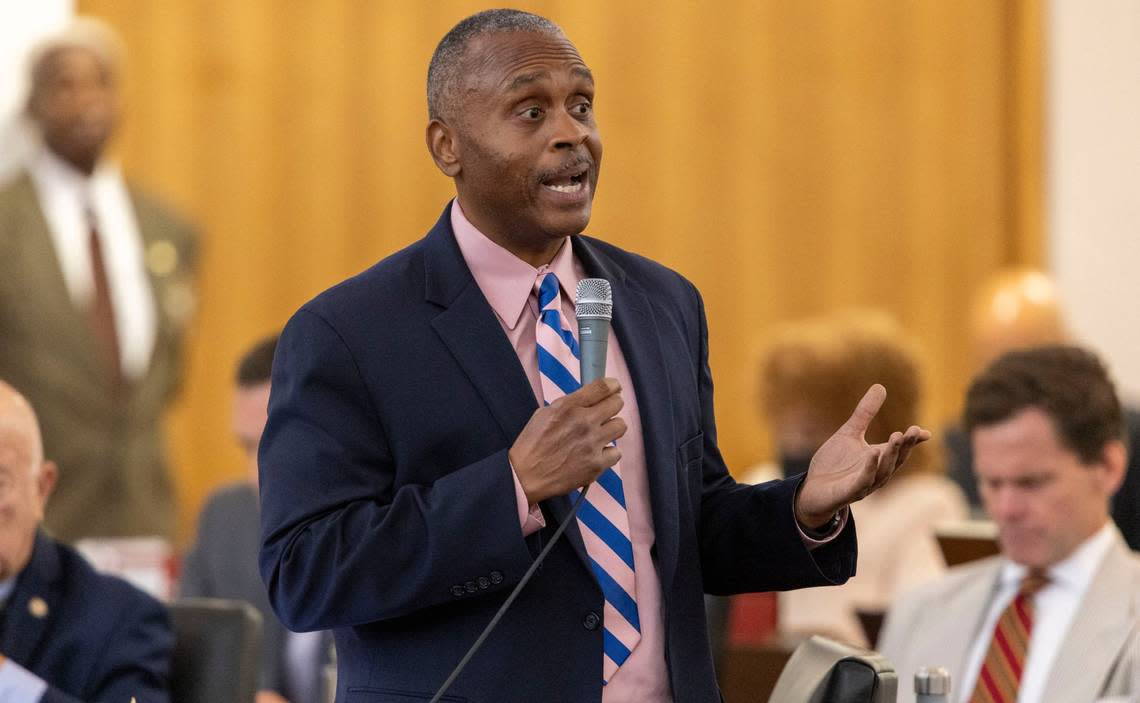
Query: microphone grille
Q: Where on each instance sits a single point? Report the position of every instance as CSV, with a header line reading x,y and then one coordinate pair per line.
x,y
594,299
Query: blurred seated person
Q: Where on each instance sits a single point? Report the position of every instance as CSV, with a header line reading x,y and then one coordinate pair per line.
x,y
95,294
1019,309
223,560
810,373
1055,617
67,633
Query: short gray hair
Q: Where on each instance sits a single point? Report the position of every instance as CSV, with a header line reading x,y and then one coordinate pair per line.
x,y
446,68
87,33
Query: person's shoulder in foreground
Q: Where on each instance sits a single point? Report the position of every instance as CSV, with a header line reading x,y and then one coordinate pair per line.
x,y
87,636
67,633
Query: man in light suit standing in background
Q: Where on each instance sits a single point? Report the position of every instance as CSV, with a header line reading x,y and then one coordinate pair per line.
x,y
94,297
1055,617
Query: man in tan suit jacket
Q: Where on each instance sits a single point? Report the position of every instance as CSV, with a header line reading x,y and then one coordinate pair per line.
x,y
1046,427
101,413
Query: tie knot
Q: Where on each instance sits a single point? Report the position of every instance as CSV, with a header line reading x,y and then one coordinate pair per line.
x,y
1033,582
546,286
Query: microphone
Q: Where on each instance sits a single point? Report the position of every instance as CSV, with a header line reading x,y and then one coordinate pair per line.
x,y
593,306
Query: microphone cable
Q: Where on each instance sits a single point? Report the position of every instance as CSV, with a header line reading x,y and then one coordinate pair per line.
x,y
570,517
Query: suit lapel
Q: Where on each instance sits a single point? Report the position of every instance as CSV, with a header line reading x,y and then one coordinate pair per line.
x,y
32,604
952,634
471,332
637,332
1106,616
46,277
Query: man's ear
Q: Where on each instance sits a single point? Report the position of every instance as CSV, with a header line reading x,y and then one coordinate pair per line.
x,y
443,143
1114,458
45,481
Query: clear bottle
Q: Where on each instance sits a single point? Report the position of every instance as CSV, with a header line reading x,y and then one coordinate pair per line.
x,y
932,685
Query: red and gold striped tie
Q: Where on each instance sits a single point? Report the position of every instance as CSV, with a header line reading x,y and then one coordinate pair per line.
x,y
1005,660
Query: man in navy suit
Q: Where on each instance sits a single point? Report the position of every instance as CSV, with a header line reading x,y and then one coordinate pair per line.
x,y
415,461
67,633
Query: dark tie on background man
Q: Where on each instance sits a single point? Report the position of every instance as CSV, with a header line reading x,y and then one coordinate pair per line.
x,y
1000,676
602,519
101,311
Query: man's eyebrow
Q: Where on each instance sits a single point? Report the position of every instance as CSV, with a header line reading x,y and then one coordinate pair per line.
x,y
583,72
526,79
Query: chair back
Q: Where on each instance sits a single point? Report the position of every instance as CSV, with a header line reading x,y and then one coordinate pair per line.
x,y
825,671
217,649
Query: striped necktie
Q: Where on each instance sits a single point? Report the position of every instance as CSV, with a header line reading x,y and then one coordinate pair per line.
x,y
602,519
1000,676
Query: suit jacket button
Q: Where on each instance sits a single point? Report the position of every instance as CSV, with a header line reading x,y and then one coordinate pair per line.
x,y
591,621
457,590
484,582
470,586
496,577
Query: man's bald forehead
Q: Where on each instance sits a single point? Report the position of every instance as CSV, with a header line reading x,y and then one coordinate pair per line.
x,y
18,422
448,64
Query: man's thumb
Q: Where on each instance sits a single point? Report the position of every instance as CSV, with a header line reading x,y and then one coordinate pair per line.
x,y
865,411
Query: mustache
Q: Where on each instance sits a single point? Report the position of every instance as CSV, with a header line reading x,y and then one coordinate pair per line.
x,y
572,165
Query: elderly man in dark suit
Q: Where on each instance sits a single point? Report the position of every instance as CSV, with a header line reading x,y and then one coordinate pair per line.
x,y
94,297
427,431
67,633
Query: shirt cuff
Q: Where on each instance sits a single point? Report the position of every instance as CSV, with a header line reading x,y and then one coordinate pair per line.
x,y
812,543
19,684
530,515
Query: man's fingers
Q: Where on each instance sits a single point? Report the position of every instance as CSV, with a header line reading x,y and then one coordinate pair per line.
x,y
910,440
594,392
608,407
613,430
865,411
611,455
888,459
914,436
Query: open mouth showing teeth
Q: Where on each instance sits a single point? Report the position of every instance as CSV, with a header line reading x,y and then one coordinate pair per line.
x,y
567,184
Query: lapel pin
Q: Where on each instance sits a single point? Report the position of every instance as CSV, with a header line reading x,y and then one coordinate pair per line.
x,y
162,258
38,607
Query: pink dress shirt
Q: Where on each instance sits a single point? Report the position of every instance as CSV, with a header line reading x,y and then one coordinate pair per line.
x,y
507,283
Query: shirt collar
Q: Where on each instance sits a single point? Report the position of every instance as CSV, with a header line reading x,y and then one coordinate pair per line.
x,y
1075,571
506,280
51,170
6,587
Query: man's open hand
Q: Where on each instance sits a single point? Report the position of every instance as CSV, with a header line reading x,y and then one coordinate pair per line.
x,y
846,469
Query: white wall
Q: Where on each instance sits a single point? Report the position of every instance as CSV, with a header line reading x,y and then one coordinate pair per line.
x,y
1093,191
22,24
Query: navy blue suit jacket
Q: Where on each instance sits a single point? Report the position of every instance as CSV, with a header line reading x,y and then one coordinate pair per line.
x,y
98,638
388,506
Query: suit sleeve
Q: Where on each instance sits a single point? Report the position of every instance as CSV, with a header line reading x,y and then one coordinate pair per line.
x,y
135,662
342,543
749,539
